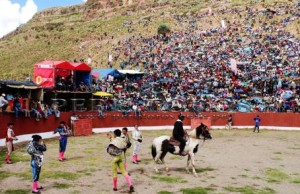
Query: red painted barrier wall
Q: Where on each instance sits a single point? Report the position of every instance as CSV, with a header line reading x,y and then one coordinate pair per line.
x,y
30,125
197,121
83,127
115,119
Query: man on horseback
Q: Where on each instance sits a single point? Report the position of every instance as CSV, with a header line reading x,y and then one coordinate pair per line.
x,y
179,133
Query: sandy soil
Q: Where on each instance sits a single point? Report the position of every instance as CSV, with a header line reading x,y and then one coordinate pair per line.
x,y
233,160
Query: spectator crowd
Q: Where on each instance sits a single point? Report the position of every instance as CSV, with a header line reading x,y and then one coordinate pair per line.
x,y
250,63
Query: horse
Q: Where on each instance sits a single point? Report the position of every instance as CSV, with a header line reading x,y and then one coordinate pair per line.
x,y
161,146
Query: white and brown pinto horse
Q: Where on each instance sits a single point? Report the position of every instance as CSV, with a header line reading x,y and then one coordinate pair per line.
x,y
161,146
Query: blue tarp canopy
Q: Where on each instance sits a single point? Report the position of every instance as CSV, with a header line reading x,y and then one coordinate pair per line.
x,y
103,73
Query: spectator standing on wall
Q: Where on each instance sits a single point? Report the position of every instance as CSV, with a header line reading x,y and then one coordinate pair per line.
x,y
229,122
3,103
257,121
17,107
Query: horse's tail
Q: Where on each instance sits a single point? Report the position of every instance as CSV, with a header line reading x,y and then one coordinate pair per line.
x,y
153,151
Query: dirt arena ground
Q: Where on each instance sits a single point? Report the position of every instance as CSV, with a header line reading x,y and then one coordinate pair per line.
x,y
236,161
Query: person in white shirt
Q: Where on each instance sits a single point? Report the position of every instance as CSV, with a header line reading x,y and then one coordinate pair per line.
x,y
137,142
10,137
3,103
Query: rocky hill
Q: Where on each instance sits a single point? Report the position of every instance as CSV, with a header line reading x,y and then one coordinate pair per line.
x,y
97,27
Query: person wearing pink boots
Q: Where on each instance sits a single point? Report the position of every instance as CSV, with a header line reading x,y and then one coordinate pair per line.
x,y
127,140
10,137
36,148
137,143
116,149
63,139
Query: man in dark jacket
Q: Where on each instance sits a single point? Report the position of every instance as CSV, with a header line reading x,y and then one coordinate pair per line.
x,y
178,134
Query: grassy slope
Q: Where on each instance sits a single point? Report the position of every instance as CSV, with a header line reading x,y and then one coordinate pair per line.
x,y
58,37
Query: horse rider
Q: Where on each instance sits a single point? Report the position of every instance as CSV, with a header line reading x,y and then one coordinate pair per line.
x,y
179,133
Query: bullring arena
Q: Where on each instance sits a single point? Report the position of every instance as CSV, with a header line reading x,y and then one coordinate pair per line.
x,y
234,161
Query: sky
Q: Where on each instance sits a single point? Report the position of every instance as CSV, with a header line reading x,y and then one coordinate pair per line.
x,y
13,13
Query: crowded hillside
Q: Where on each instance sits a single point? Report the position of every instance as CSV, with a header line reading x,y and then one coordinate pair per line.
x,y
246,65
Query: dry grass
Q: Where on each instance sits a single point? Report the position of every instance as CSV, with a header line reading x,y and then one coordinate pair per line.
x,y
223,165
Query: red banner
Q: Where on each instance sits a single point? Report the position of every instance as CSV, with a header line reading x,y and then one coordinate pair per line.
x,y
44,77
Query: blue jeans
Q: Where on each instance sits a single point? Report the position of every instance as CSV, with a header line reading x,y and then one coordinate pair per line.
x,y
36,170
17,111
63,143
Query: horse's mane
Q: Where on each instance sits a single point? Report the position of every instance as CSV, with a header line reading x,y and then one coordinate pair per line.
x,y
196,132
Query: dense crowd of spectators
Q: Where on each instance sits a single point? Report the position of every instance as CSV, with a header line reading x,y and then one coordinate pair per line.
x,y
192,69
249,64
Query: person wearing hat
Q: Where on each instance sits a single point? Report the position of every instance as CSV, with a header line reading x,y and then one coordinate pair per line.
x,y
3,103
62,129
35,148
179,133
10,137
116,147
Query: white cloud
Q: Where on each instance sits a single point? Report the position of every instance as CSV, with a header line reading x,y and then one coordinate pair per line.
x,y
84,0
12,15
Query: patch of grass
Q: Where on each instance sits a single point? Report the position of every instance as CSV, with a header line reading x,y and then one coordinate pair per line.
x,y
4,175
168,179
256,178
197,190
277,153
249,190
243,175
76,192
89,150
16,191
175,158
24,175
294,148
2,157
275,175
200,170
164,192
60,174
276,158
18,156
296,181
61,185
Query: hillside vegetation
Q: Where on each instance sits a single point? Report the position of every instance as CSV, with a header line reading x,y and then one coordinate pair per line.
x,y
96,27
